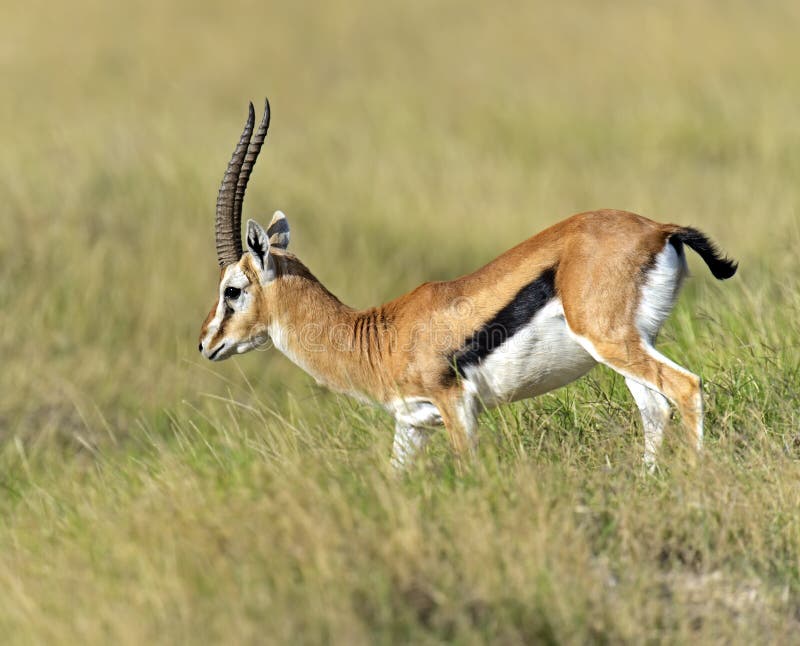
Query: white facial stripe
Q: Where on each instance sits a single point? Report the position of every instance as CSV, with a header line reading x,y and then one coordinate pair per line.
x,y
233,277
213,326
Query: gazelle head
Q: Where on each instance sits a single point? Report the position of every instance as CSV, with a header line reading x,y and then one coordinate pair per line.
x,y
239,319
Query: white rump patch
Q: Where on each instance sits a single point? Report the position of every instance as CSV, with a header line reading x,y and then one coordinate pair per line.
x,y
660,290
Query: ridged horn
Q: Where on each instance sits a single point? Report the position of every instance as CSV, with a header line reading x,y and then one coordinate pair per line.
x,y
228,237
247,167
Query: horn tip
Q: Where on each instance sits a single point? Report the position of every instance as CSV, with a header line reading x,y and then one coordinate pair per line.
x,y
267,114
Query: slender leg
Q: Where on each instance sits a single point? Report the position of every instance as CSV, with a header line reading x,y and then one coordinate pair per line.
x,y
688,398
408,441
640,362
460,416
655,411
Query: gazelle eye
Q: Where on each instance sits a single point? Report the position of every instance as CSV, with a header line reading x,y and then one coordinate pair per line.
x,y
232,293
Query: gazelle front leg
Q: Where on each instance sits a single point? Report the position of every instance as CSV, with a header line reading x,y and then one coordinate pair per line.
x,y
416,418
408,441
460,417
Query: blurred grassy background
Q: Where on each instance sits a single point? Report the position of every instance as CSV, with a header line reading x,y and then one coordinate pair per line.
x,y
152,495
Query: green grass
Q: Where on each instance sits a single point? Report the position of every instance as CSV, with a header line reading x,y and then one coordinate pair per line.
x,y
148,496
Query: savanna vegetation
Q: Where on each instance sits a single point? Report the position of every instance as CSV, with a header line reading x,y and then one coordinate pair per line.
x,y
149,496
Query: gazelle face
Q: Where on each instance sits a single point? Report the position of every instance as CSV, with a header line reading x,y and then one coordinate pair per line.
x,y
236,323
239,320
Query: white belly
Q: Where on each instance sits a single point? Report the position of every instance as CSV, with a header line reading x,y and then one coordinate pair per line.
x,y
540,357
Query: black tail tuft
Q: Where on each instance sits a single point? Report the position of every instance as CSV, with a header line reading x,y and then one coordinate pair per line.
x,y
720,265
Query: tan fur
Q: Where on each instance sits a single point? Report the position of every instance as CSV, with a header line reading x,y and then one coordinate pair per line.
x,y
400,349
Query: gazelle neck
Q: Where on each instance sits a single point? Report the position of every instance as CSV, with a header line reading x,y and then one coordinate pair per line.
x,y
342,348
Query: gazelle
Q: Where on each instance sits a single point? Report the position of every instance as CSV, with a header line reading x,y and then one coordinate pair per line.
x,y
594,288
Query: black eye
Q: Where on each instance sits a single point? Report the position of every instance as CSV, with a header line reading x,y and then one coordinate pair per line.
x,y
232,293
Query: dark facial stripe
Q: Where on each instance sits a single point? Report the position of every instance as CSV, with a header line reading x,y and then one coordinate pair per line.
x,y
495,332
216,352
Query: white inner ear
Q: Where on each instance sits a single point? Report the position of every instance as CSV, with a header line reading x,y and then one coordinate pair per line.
x,y
278,231
259,246
278,215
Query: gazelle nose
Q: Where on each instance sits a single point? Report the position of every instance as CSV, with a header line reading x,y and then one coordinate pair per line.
x,y
200,347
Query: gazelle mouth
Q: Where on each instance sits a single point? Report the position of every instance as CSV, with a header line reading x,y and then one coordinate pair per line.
x,y
216,352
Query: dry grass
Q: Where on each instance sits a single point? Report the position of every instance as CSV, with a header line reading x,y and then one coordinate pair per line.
x,y
150,497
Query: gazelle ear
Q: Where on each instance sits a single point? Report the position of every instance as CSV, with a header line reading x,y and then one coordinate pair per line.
x,y
278,231
258,246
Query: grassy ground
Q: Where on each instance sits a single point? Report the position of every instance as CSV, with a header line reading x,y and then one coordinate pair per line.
x,y
150,497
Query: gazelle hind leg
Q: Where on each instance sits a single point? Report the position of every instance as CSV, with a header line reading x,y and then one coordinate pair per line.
x,y
688,398
638,361
655,411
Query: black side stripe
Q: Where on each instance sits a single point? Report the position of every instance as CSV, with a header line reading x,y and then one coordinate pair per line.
x,y
495,332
